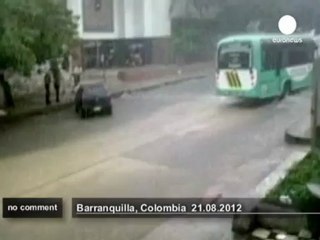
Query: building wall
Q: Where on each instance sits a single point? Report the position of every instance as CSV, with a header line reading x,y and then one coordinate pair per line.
x,y
120,14
162,51
157,18
110,33
76,7
134,18
130,19
146,21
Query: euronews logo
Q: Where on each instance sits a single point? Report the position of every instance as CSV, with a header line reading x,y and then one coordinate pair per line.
x,y
287,26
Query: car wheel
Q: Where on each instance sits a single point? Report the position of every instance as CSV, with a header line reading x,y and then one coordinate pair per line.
x,y
83,113
109,110
285,91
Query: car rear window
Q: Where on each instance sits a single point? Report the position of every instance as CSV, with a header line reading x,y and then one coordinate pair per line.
x,y
95,90
235,55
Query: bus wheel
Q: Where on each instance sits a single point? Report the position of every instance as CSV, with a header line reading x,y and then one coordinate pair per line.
x,y
285,91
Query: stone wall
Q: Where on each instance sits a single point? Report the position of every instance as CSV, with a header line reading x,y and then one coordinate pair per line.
x,y
162,51
21,86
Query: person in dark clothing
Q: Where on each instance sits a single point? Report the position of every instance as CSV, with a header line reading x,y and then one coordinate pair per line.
x,y
57,90
47,83
9,103
56,75
77,75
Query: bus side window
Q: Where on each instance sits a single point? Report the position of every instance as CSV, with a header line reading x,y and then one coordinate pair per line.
x,y
299,57
270,59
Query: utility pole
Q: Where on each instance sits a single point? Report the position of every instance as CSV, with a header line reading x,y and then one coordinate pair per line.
x,y
315,111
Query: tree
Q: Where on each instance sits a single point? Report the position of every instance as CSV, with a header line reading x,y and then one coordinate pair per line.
x,y
202,22
32,32
235,15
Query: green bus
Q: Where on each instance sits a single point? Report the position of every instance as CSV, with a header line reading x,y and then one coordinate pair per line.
x,y
264,66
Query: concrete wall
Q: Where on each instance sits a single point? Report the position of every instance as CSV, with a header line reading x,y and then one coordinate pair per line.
x,y
162,51
147,18
22,86
134,18
120,15
157,18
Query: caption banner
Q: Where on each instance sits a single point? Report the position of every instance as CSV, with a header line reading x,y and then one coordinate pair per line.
x,y
153,208
137,208
32,208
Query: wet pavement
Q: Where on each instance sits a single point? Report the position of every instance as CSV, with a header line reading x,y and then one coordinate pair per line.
x,y
174,141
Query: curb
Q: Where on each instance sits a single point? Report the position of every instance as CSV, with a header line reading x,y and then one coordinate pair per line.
x,y
297,140
62,106
36,112
242,224
278,174
148,88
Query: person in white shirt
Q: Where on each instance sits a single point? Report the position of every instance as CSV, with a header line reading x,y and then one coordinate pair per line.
x,y
77,75
47,83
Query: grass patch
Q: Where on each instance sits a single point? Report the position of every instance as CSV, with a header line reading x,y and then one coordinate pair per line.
x,y
294,185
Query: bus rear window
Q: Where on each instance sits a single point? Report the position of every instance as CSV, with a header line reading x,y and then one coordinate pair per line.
x,y
234,59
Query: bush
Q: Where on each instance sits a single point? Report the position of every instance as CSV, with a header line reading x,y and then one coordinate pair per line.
x,y
192,40
295,186
295,183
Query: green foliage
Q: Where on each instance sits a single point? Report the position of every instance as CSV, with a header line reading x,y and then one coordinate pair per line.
x,y
235,15
187,41
294,185
193,35
56,28
32,32
192,38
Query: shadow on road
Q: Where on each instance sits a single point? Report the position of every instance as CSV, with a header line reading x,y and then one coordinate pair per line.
x,y
251,104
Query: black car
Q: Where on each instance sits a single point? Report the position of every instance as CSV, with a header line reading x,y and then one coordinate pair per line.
x,y
91,99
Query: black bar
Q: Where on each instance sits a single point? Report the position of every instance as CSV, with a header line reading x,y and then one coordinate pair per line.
x,y
32,208
158,208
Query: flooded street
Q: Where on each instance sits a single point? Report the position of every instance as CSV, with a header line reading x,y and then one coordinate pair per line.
x,y
174,141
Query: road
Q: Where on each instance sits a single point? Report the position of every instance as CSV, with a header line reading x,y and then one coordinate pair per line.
x,y
175,141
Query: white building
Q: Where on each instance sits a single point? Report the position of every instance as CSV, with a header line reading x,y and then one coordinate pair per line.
x,y
118,23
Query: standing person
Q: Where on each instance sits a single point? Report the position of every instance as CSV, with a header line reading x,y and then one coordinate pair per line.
x,y
136,58
9,103
47,83
130,56
77,75
56,74
111,57
57,83
102,61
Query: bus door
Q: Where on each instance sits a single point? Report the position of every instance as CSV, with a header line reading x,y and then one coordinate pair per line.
x,y
270,78
279,68
299,64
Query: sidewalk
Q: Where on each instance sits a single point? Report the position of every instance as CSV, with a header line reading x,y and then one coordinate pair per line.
x,y
299,132
221,228
34,104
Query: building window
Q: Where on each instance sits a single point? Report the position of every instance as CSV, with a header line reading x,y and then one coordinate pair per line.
x,y
299,57
98,15
270,60
97,5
